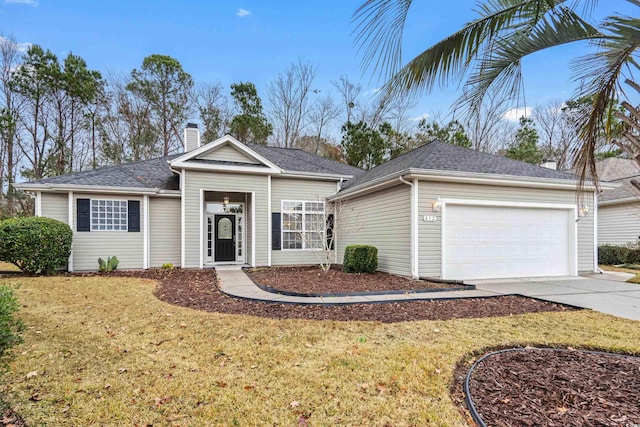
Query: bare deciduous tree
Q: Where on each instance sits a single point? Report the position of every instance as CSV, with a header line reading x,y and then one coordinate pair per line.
x,y
349,92
213,109
289,102
323,112
10,109
486,128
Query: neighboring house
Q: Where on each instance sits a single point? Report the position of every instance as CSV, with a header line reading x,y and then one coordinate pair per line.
x,y
619,209
439,211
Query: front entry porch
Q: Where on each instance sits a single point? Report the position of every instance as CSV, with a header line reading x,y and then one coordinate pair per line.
x,y
225,217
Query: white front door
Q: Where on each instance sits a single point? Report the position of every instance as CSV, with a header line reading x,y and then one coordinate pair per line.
x,y
482,242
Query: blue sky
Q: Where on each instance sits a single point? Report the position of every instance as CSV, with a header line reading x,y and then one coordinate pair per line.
x,y
230,41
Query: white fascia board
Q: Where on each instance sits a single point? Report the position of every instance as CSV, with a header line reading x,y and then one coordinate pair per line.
x,y
26,186
466,178
369,187
315,175
218,142
500,180
225,168
625,200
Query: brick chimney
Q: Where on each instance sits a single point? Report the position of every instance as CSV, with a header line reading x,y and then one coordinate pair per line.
x,y
191,137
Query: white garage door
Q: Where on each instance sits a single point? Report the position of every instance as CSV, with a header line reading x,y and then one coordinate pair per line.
x,y
482,242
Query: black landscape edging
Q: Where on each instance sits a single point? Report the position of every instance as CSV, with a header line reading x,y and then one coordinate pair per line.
x,y
465,386
459,284
403,300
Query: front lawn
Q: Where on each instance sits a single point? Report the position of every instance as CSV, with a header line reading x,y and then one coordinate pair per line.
x,y
105,350
636,271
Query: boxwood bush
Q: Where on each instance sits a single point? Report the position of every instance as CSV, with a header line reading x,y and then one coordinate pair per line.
x,y
36,245
612,254
10,325
360,259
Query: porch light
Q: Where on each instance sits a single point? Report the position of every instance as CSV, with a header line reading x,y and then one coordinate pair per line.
x,y
583,211
436,205
225,203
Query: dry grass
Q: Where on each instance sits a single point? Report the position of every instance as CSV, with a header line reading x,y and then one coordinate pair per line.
x,y
635,279
105,351
7,266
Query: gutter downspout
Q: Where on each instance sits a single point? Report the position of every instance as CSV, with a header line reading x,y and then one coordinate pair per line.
x,y
414,226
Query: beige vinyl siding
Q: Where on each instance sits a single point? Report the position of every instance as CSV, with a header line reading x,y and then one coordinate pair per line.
x,y
195,181
429,233
227,153
56,206
618,224
164,231
88,246
381,219
300,190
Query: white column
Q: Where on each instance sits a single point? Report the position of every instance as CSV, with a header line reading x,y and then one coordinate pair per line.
x,y
38,204
183,184
145,225
201,216
73,232
415,222
269,225
253,229
595,231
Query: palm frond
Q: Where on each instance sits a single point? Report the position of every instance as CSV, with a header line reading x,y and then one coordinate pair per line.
x,y
601,73
379,29
500,70
450,59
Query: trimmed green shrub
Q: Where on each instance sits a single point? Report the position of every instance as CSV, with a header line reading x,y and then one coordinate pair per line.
x,y
360,259
111,264
612,254
167,266
10,325
632,256
35,245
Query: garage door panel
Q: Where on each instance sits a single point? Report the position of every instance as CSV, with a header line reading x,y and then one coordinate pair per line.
x,y
496,241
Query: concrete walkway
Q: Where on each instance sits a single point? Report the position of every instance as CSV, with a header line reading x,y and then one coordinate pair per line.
x,y
607,293
233,281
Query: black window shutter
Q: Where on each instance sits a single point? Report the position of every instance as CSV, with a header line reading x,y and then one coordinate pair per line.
x,y
330,241
134,215
276,227
83,214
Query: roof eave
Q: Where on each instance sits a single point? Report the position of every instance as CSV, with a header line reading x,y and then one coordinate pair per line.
x,y
28,186
317,175
468,178
624,200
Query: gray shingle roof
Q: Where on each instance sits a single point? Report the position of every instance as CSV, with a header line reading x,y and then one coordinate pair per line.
x,y
625,191
440,156
154,173
296,160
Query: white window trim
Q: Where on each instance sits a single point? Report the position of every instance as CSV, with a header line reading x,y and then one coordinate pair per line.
x,y
303,231
94,227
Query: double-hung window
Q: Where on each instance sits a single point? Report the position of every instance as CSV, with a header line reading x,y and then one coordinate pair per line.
x,y
108,215
303,225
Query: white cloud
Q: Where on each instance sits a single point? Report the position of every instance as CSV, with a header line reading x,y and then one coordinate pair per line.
x,y
514,114
33,3
243,12
424,116
22,47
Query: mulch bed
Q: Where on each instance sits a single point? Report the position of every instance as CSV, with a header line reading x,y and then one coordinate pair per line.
x,y
535,387
312,280
197,289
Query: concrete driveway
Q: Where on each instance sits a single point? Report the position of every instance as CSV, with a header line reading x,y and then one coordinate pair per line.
x,y
605,294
